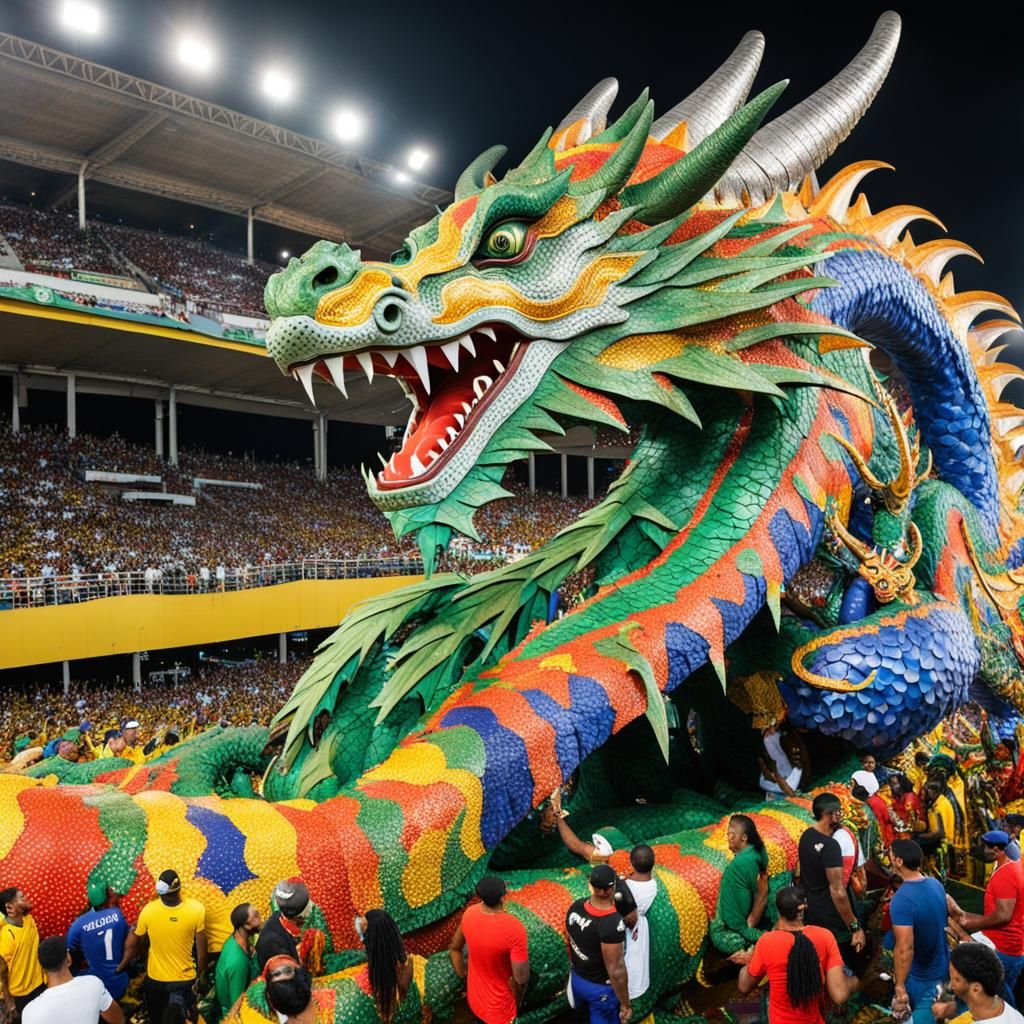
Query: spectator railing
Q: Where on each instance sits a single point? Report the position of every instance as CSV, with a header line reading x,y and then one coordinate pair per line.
x,y
37,591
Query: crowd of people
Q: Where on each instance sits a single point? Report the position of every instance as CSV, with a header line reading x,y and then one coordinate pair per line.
x,y
55,524
37,718
50,242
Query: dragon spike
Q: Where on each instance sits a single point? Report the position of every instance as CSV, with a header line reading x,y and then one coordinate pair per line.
x,y
834,198
965,308
930,259
587,118
474,177
684,182
916,544
784,151
616,170
710,104
823,682
992,330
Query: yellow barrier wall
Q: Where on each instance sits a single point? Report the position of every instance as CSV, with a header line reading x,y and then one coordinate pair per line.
x,y
123,625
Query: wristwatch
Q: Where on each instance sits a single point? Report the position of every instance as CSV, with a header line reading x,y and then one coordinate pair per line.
x,y
854,926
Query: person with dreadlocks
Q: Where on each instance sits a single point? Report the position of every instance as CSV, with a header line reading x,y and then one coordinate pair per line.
x,y
801,962
742,893
389,969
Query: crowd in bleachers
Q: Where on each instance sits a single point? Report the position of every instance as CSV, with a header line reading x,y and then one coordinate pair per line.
x,y
195,270
53,523
50,242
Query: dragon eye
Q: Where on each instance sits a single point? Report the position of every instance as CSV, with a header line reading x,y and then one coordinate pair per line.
x,y
401,256
504,242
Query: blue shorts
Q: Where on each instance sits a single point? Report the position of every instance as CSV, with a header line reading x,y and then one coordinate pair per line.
x,y
600,1000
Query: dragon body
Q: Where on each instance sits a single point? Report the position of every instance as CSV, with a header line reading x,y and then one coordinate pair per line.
x,y
820,519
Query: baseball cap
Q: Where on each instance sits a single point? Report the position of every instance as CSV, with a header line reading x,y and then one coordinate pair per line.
x,y
602,876
491,889
168,882
291,897
130,724
997,837
867,780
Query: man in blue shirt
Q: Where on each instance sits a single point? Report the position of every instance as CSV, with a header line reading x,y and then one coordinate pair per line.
x,y
918,913
100,935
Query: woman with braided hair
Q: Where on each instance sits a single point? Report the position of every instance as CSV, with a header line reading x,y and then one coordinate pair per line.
x,y
389,968
801,963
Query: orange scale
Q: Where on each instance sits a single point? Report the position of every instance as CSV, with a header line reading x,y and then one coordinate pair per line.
x,y
59,828
546,899
461,212
433,938
446,802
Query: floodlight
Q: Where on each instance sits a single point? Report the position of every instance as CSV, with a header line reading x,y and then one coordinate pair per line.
x,y
277,85
348,124
401,177
417,159
285,254
195,53
81,16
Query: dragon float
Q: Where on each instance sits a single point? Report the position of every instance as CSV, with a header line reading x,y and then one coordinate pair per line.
x,y
819,520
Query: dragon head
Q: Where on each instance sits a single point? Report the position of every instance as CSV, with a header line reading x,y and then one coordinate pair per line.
x,y
523,298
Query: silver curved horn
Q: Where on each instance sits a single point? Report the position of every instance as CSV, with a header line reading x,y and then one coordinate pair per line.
x,y
721,95
786,150
593,107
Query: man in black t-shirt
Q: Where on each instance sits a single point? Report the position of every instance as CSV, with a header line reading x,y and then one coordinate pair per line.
x,y
597,936
282,931
821,873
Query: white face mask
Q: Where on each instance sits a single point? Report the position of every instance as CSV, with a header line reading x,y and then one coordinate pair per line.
x,y
360,927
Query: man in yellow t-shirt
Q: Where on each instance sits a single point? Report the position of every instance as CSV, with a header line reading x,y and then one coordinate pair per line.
x,y
169,927
21,975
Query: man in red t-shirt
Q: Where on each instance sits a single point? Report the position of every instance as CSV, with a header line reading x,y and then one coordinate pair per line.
x,y
1002,917
499,963
771,961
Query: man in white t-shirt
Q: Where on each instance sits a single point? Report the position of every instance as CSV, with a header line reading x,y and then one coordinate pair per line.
x,y
643,887
69,1000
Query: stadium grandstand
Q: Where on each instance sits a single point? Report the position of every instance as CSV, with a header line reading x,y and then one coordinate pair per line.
x,y
129,550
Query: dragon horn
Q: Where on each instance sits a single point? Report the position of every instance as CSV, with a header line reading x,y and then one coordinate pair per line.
x,y
633,127
710,104
474,177
786,150
855,545
859,463
897,492
916,545
591,113
688,179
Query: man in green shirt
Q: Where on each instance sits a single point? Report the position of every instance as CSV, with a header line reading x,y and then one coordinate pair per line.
x,y
742,893
236,966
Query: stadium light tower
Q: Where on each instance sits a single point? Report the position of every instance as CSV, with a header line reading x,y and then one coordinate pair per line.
x,y
277,85
347,124
195,53
417,159
81,17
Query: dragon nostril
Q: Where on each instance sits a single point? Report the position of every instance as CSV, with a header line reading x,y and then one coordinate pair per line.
x,y
388,314
326,277
391,313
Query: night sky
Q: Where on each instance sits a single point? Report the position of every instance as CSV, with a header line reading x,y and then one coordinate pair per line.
x,y
458,77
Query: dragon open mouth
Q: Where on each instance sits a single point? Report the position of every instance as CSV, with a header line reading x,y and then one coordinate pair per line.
x,y
449,385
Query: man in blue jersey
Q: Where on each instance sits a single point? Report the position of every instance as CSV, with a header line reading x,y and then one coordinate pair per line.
x,y
99,935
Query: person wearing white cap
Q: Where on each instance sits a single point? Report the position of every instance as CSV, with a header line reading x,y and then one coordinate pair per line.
x,y
282,932
865,788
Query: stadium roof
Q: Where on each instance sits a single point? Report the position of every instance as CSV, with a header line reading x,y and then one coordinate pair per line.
x,y
65,114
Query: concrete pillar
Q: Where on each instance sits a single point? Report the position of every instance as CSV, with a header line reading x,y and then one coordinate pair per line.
x,y
158,427
137,672
531,469
172,426
282,648
565,475
590,477
316,448
15,404
72,418
66,672
81,198
248,237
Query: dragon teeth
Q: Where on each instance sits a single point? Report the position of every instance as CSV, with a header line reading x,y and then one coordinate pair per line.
x,y
467,343
481,384
416,357
460,419
305,378
451,433
467,408
336,368
390,356
383,461
417,467
443,443
487,332
497,366
451,353
365,360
